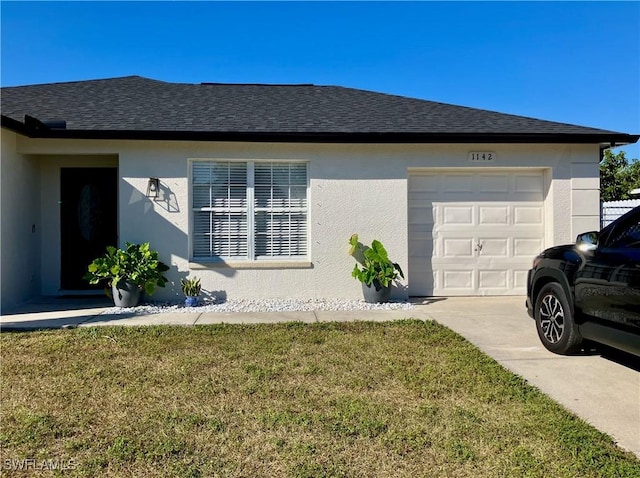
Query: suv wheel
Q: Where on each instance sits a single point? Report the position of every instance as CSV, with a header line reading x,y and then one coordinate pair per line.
x,y
554,321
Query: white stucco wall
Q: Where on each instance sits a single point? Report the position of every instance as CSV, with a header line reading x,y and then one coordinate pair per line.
x,y
585,194
353,189
349,192
20,223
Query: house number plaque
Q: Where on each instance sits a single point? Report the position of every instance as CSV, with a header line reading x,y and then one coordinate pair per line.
x,y
482,156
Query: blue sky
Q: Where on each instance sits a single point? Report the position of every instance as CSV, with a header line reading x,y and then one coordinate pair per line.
x,y
574,62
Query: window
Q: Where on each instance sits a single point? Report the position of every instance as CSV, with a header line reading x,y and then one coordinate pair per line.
x,y
249,210
627,236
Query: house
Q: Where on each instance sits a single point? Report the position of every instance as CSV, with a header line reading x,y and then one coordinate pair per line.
x,y
259,187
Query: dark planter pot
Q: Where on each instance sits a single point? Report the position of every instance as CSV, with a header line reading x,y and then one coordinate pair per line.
x,y
376,293
125,294
190,301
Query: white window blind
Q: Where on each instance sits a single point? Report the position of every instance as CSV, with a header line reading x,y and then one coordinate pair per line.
x,y
247,210
280,210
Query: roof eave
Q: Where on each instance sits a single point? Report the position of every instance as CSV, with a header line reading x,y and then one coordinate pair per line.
x,y
15,125
605,139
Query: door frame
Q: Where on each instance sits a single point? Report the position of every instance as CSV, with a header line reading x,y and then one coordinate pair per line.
x,y
50,224
546,175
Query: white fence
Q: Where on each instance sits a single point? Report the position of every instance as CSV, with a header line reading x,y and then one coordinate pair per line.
x,y
610,211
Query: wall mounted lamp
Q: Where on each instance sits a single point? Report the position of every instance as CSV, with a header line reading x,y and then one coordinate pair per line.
x,y
153,188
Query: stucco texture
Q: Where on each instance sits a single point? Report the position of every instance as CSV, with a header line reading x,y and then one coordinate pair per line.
x,y
352,189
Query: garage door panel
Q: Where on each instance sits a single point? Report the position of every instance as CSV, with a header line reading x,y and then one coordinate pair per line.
x,y
420,217
457,248
527,247
520,279
421,233
419,248
529,183
528,215
495,247
419,198
424,183
491,279
453,279
480,230
457,214
458,183
492,183
421,283
491,215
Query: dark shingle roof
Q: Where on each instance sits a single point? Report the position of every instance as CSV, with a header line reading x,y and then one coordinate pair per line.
x,y
140,107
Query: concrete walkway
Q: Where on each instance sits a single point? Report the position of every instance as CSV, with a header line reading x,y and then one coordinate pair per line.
x,y
603,389
55,313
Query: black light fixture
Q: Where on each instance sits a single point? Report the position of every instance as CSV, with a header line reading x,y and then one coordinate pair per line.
x,y
153,188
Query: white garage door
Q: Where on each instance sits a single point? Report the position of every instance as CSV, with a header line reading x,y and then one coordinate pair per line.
x,y
473,233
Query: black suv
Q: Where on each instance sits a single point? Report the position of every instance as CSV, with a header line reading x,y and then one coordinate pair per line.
x,y
589,290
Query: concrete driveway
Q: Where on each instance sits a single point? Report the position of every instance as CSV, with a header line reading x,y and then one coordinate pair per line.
x,y
602,389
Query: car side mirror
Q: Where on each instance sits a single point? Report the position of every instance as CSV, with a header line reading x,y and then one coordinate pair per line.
x,y
587,241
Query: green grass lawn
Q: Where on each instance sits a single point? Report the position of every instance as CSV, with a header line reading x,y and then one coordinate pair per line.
x,y
333,399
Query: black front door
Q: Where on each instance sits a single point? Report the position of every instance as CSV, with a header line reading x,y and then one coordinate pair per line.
x,y
88,220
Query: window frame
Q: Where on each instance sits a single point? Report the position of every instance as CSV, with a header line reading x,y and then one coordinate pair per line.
x,y
251,260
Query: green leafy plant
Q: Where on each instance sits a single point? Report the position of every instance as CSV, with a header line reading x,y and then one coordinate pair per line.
x,y
373,264
191,287
136,264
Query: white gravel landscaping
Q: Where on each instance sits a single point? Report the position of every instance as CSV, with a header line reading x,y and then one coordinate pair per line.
x,y
260,305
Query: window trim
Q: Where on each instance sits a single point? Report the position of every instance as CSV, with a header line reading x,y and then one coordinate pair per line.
x,y
262,264
196,262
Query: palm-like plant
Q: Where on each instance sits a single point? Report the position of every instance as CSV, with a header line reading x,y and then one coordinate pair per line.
x,y
373,265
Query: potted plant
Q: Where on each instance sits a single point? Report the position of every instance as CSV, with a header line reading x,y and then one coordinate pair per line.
x,y
191,289
128,272
374,269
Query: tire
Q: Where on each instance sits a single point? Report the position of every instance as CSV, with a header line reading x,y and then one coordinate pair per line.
x,y
554,321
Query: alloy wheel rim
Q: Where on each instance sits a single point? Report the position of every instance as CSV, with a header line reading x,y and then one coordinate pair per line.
x,y
552,318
